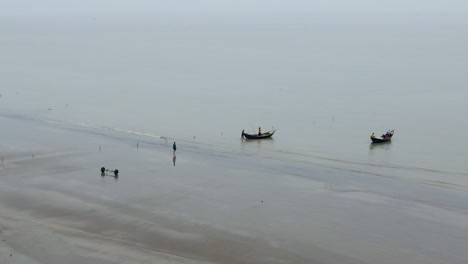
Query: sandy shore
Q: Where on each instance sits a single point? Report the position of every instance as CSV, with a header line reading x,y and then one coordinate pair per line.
x,y
209,206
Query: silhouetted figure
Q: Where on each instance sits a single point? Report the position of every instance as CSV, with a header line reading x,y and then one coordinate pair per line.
x,y
259,131
174,147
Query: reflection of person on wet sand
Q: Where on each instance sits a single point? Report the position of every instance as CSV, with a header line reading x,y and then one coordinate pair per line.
x,y
174,159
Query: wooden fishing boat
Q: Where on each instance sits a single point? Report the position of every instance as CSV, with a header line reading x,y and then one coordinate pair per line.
x,y
257,136
385,137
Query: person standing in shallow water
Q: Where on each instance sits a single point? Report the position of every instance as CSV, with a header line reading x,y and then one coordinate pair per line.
x,y
174,147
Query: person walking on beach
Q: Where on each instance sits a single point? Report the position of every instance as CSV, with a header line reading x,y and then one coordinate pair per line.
x,y
174,147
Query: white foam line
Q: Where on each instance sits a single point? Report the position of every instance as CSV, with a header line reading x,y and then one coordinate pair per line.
x,y
120,130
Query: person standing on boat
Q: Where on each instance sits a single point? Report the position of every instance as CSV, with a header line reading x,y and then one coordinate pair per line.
x,y
259,131
372,136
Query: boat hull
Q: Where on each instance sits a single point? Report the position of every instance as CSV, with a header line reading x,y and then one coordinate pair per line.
x,y
380,140
261,136
385,138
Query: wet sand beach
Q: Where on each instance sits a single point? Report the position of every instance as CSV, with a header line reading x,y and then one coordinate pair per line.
x,y
210,205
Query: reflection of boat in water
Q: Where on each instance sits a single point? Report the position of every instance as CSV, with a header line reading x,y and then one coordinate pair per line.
x,y
387,145
385,138
258,136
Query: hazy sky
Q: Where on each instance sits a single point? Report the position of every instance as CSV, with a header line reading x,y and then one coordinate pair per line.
x,y
93,7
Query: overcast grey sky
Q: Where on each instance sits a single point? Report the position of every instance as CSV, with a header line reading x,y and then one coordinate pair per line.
x,y
93,7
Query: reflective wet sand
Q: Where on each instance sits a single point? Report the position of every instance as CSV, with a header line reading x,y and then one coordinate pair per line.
x,y
213,206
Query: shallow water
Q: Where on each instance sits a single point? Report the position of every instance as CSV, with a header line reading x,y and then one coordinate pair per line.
x,y
213,204
326,84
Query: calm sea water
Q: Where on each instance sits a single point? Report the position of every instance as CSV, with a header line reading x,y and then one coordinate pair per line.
x,y
326,83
